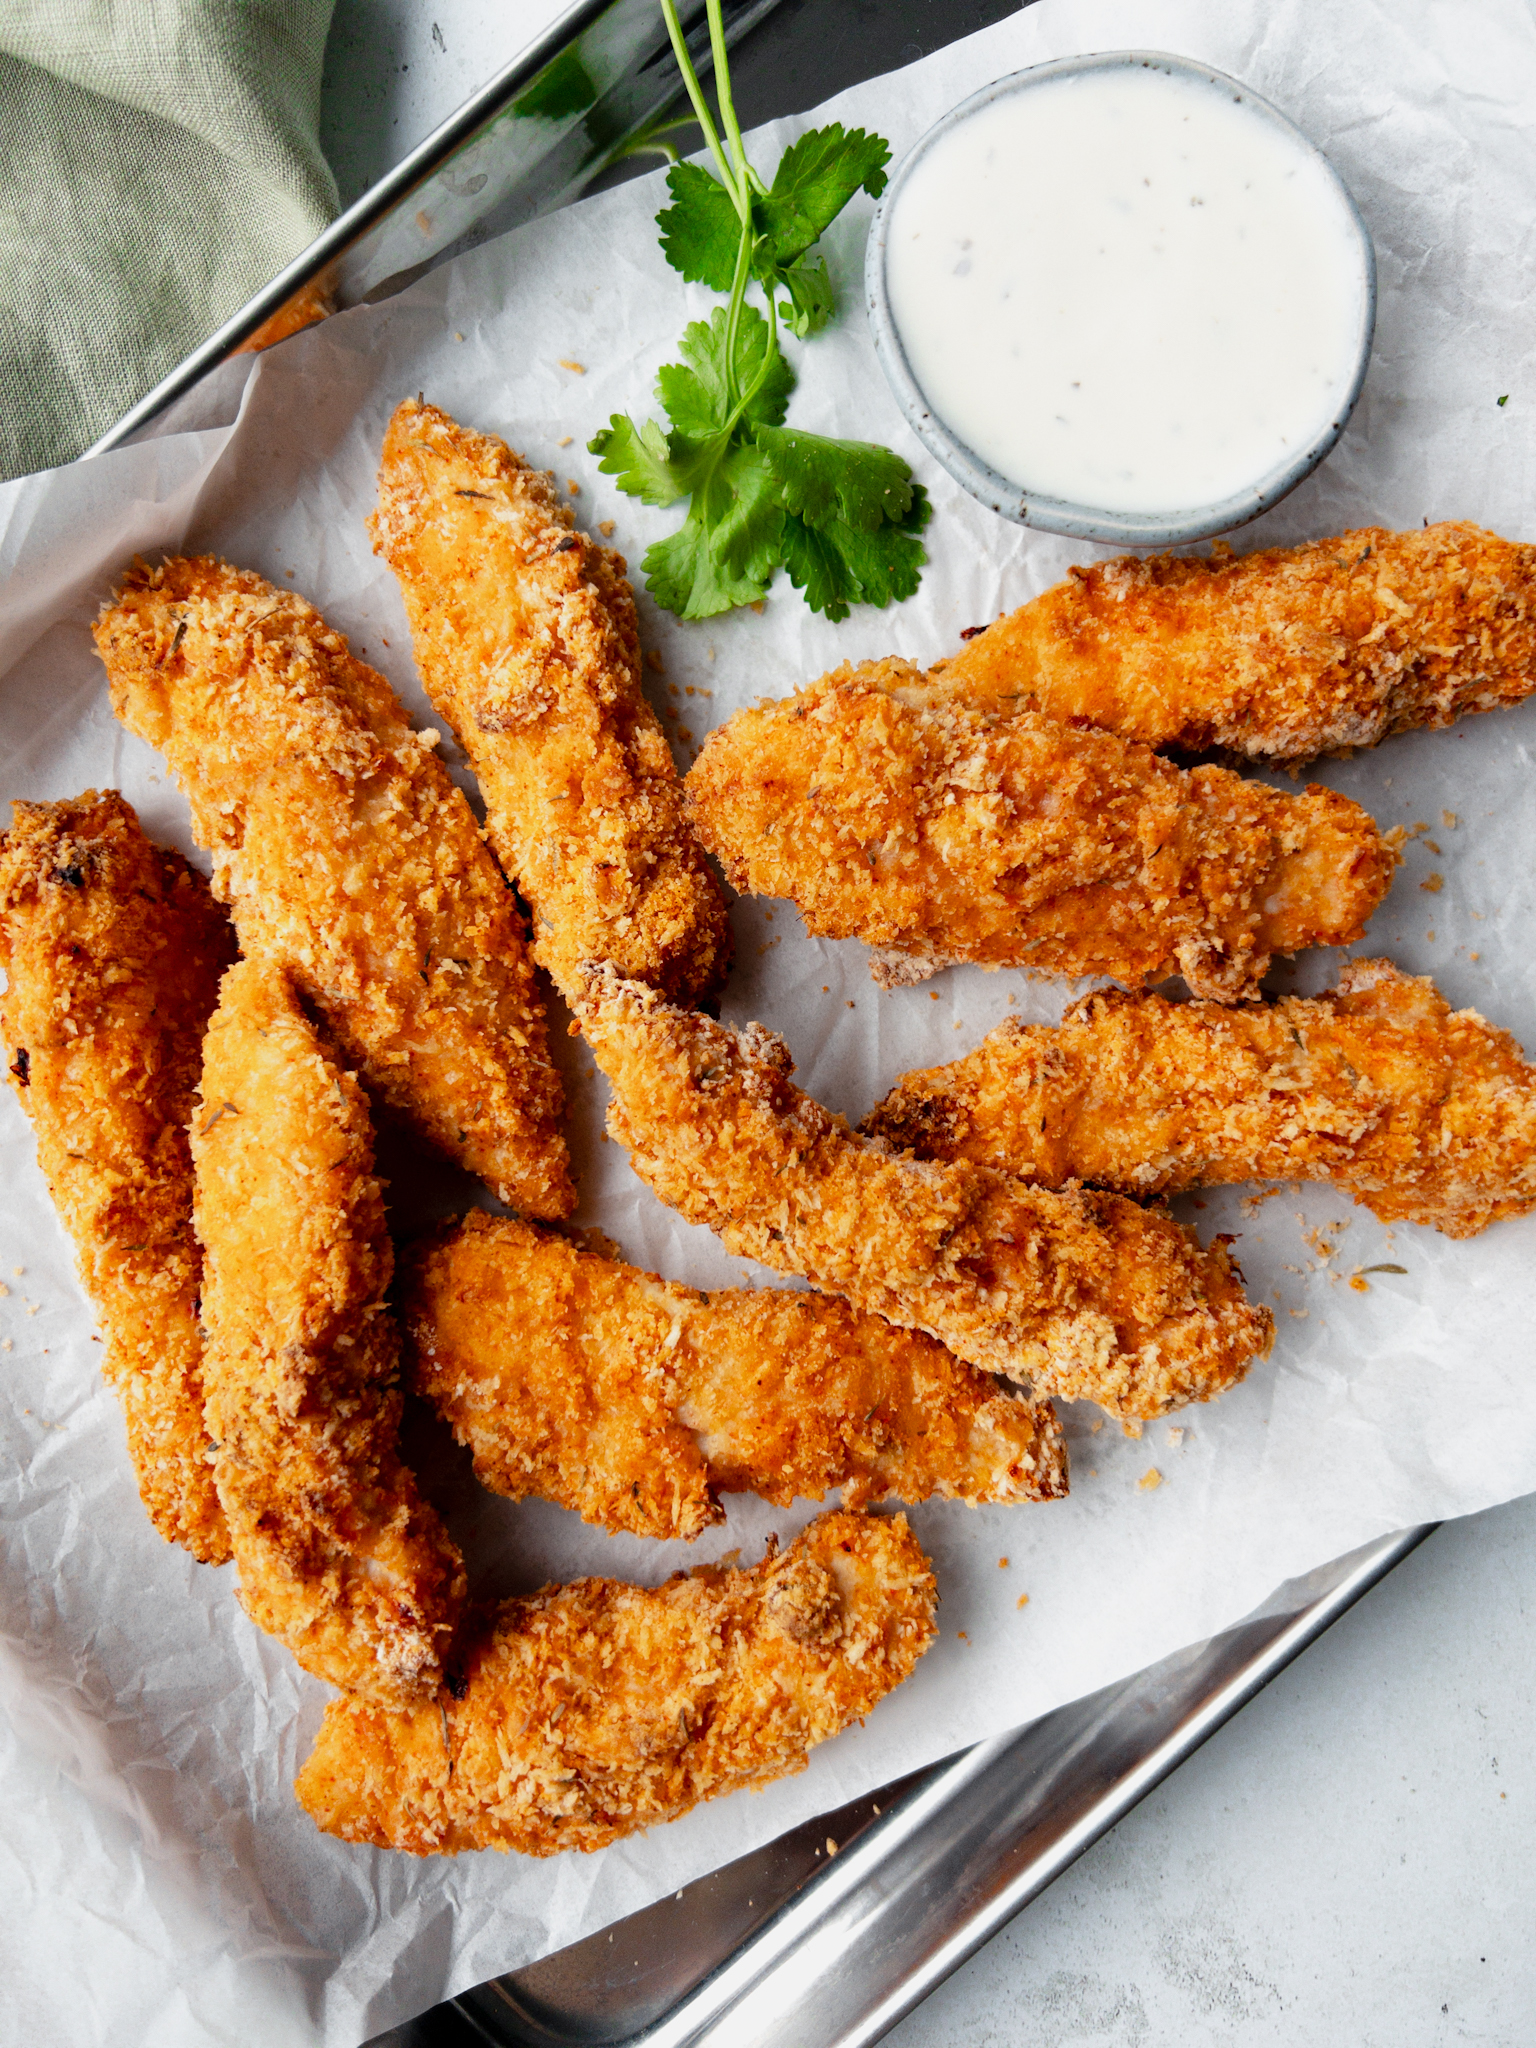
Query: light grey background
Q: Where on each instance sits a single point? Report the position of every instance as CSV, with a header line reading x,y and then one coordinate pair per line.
x,y
1353,1860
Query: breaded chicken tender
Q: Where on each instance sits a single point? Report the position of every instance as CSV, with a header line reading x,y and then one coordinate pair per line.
x,y
1425,1115
1078,1294
1280,655
579,1379
347,854
338,1555
526,638
944,834
588,1712
112,950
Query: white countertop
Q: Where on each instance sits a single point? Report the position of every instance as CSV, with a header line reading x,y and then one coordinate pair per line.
x,y
1352,1861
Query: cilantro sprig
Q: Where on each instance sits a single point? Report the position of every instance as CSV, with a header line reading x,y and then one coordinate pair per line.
x,y
841,517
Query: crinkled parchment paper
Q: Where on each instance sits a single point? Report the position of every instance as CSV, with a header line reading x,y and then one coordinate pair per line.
x,y
161,1885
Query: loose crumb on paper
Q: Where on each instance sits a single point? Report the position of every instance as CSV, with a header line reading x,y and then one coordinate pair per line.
x,y
1150,1480
1433,883
569,363
1022,1601
605,528
565,440
1002,1564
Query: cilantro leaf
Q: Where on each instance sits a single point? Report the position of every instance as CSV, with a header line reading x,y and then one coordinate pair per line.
x,y
696,393
700,230
811,304
640,458
816,178
859,483
727,548
836,565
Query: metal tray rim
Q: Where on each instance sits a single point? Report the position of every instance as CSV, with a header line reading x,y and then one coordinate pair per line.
x,y
764,1990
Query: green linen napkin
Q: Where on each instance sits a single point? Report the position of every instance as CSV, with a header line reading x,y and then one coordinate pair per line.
x,y
159,163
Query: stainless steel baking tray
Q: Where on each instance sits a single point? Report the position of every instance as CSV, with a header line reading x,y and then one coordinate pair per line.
x,y
788,1945
533,138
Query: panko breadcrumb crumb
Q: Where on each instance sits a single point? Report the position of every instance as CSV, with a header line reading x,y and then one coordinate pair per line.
x,y
347,854
338,1555
526,638
591,1711
1279,655
939,833
112,949
1423,1114
1078,1294
580,1379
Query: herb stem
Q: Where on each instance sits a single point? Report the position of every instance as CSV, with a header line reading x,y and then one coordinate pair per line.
x,y
770,356
733,317
651,140
727,104
728,176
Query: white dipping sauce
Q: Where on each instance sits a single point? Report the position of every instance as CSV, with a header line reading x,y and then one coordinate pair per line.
x,y
1128,289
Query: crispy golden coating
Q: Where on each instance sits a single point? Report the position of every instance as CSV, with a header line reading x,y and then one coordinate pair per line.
x,y
338,1555
938,834
1079,1294
1280,655
579,1379
346,853
591,1711
1424,1115
112,950
525,634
